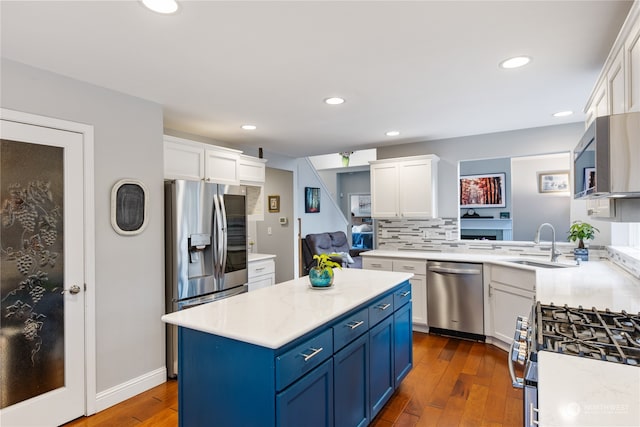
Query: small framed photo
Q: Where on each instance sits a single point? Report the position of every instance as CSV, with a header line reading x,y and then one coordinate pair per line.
x,y
553,182
274,203
589,179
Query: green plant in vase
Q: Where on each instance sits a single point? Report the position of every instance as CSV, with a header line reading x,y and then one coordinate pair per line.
x,y
581,231
322,274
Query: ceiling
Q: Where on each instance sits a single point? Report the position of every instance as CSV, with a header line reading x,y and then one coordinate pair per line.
x,y
428,69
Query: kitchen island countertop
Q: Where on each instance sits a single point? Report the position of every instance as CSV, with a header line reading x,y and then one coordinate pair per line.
x,y
274,316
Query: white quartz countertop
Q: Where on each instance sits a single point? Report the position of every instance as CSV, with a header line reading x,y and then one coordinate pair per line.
x,y
600,284
576,391
274,316
252,257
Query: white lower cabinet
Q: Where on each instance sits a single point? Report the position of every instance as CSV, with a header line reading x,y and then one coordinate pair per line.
x,y
262,273
512,293
418,283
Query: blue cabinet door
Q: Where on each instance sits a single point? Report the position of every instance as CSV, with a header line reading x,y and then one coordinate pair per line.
x,y
403,343
380,364
309,401
351,384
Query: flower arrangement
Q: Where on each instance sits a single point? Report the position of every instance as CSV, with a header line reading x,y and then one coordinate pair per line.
x,y
325,261
345,157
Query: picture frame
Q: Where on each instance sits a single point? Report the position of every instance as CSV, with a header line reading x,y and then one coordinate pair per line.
x,y
311,200
274,203
553,182
589,180
483,191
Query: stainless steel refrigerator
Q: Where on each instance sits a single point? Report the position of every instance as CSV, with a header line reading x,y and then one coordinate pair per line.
x,y
205,248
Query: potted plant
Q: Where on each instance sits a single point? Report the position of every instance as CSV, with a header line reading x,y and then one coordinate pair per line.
x,y
321,276
581,231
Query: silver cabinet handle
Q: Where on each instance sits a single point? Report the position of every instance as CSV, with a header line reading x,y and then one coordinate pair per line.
x,y
408,267
405,293
376,265
383,307
72,290
314,352
515,382
532,417
354,324
260,268
455,270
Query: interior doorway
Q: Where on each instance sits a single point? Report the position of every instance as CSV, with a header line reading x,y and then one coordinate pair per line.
x,y
361,231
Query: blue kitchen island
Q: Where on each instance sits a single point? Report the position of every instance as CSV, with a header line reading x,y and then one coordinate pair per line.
x,y
290,355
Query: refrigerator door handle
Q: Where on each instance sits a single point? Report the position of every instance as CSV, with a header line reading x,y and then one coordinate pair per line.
x,y
223,249
217,219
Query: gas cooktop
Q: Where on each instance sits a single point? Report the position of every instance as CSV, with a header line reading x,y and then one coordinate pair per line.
x,y
602,335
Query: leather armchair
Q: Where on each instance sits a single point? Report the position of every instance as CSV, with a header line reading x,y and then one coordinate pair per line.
x,y
328,243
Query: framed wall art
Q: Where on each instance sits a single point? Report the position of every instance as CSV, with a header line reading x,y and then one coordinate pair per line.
x,y
274,203
553,182
311,200
483,191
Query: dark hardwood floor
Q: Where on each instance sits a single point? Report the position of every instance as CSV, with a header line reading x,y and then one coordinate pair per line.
x,y
453,383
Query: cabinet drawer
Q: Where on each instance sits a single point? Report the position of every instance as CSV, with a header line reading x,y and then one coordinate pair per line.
x,y
402,296
380,309
258,268
377,264
304,357
415,267
517,277
350,328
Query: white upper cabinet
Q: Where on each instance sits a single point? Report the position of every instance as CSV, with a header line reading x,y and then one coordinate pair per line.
x,y
251,169
384,190
183,159
615,84
221,165
617,90
404,187
632,67
186,159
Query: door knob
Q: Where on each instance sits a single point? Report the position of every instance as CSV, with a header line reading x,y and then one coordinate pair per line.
x,y
72,290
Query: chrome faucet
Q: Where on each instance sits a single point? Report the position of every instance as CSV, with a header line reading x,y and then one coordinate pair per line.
x,y
554,253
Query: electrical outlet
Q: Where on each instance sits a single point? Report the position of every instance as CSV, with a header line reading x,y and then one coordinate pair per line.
x,y
269,231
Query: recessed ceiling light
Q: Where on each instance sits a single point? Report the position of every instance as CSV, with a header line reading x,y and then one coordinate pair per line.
x,y
161,6
392,133
563,113
249,127
515,62
334,101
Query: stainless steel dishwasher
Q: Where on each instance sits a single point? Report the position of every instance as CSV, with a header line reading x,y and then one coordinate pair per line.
x,y
455,301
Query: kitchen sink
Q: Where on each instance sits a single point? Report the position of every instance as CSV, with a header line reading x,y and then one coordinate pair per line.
x,y
540,264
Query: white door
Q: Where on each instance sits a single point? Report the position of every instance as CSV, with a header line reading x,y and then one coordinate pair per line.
x,y
42,343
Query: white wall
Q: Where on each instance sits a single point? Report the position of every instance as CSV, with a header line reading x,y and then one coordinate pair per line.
x,y
334,160
532,208
129,269
279,182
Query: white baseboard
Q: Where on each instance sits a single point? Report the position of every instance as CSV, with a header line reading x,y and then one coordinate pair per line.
x,y
126,390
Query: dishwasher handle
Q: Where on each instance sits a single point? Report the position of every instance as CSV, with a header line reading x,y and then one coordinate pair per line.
x,y
455,270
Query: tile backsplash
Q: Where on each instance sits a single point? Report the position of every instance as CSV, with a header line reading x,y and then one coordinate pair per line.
x,y
441,235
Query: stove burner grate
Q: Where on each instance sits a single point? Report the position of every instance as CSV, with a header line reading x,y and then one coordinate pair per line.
x,y
602,335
